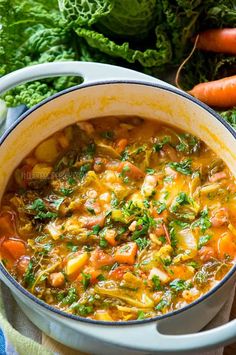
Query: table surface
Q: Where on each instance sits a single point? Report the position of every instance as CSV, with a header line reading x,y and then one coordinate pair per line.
x,y
64,350
231,349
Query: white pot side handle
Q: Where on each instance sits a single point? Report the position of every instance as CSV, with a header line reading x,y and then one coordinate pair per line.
x,y
147,338
90,72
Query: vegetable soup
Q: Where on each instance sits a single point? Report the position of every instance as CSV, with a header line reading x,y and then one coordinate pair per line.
x,y
118,219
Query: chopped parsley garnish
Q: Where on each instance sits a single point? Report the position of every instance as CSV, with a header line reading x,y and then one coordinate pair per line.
x,y
143,225
66,192
81,309
91,149
96,229
141,315
193,264
71,297
125,155
46,215
156,283
101,277
183,167
181,199
86,280
178,285
203,240
37,205
103,243
71,181
142,243
114,200
162,304
168,179
72,247
29,277
203,222
83,170
158,146
91,210
187,143
161,206
150,171
57,203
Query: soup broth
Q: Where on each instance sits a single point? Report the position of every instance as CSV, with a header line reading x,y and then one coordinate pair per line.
x,y
118,219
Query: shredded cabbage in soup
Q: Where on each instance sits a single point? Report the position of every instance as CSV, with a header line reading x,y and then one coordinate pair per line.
x,y
118,219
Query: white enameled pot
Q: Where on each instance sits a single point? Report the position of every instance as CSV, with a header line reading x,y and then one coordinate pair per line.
x,y
108,90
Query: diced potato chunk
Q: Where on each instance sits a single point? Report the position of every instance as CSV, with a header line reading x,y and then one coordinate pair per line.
x,y
53,230
47,151
41,171
117,215
161,274
75,264
103,315
149,185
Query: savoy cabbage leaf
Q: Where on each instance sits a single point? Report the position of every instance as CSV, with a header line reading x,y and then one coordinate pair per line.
x,y
85,12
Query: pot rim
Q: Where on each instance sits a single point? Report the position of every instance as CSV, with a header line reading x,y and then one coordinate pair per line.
x,y
46,306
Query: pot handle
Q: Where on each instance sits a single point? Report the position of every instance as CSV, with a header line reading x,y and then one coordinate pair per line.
x,y
148,338
90,72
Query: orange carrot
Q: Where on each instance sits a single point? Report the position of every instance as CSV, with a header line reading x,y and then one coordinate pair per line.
x,y
130,170
219,93
99,258
179,272
217,176
220,217
7,225
118,273
15,248
126,253
167,234
222,40
121,144
227,246
206,253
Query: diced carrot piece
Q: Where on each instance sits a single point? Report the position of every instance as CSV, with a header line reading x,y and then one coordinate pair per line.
x,y
15,248
206,253
179,272
121,144
130,170
159,230
126,253
99,258
118,272
7,225
217,176
110,237
167,235
90,222
220,217
227,246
